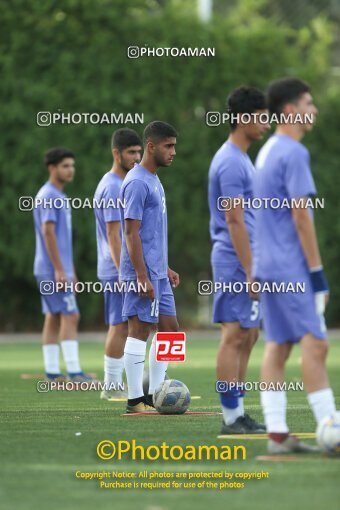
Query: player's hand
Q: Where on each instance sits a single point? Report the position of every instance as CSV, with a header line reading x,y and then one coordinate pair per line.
x,y
253,295
60,276
174,278
321,301
147,289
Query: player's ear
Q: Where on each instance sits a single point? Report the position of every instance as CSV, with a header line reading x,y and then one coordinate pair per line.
x,y
116,154
150,146
288,109
51,168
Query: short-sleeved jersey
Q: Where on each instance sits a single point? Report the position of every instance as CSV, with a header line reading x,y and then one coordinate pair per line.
x,y
282,172
50,206
106,210
230,175
143,196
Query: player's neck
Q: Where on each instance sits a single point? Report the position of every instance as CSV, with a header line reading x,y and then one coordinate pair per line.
x,y
117,169
149,165
291,130
58,184
238,139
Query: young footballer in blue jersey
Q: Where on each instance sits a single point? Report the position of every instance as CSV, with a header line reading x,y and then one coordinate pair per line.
x,y
144,260
53,264
231,177
126,151
286,250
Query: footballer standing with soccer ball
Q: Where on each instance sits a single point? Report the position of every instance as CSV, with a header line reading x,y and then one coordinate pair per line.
x,y
144,260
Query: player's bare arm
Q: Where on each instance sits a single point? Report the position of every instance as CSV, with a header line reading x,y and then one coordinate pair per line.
x,y
53,252
114,240
307,235
173,277
75,277
240,239
134,246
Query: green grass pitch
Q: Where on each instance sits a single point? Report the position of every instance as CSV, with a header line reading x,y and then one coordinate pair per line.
x,y
40,450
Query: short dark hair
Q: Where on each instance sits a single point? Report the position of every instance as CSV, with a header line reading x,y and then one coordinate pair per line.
x,y
283,91
244,99
56,155
158,131
123,138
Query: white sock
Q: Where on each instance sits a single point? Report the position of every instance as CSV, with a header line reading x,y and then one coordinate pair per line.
x,y
230,415
157,369
241,405
71,356
51,358
113,372
274,405
322,403
134,358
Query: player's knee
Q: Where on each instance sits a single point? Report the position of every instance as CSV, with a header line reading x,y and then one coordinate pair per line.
x,y
168,324
72,319
76,318
52,319
318,350
139,330
235,340
276,354
243,334
121,329
254,336
174,326
248,340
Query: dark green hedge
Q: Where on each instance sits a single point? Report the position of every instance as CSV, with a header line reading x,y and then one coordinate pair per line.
x,y
71,55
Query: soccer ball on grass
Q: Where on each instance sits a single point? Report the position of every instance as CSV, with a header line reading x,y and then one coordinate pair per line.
x,y
171,397
328,434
